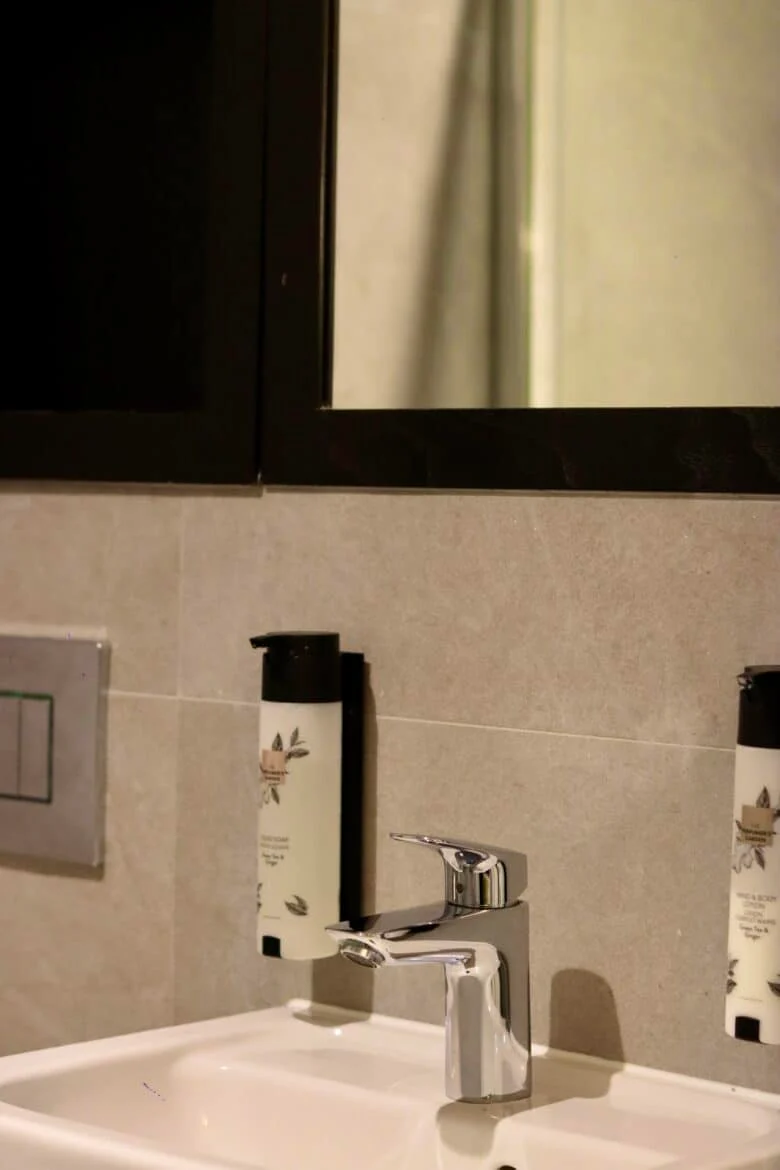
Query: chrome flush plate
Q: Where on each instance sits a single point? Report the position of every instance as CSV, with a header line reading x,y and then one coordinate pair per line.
x,y
52,719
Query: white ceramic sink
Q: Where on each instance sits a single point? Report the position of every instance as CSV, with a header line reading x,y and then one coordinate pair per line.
x,y
298,1088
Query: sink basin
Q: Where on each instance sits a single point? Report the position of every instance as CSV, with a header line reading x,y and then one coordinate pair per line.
x,y
307,1088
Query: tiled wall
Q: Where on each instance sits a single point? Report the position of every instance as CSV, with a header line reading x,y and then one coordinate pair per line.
x,y
553,673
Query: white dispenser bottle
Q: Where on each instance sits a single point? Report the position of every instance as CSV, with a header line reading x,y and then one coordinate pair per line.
x,y
753,978
300,793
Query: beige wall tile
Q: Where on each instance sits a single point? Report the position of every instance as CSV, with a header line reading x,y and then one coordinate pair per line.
x,y
142,593
40,1015
119,1011
628,848
608,616
44,1015
99,945
93,560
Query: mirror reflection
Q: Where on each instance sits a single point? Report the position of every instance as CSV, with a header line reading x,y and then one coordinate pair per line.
x,y
557,203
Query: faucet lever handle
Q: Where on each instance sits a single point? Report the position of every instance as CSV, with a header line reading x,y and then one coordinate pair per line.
x,y
477,877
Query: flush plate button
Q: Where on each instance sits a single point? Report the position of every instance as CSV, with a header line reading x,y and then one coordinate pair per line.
x,y
10,707
51,748
26,726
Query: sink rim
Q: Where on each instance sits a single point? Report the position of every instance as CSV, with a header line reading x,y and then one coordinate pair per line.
x,y
60,1132
84,1053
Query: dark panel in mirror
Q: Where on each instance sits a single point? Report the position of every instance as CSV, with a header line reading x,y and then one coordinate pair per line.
x,y
134,144
110,206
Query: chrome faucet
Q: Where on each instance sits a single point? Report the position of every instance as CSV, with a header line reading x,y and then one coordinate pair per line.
x,y
479,935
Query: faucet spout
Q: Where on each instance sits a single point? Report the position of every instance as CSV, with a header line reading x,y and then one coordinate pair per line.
x,y
484,955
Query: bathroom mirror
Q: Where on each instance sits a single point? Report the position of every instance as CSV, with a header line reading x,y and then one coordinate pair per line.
x,y
557,204
524,244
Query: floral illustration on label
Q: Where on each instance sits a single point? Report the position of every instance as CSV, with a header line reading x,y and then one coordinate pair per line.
x,y
298,906
755,832
731,981
273,764
774,986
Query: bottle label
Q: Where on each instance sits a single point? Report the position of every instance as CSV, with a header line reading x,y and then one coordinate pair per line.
x,y
273,766
274,762
756,825
299,821
755,914
753,973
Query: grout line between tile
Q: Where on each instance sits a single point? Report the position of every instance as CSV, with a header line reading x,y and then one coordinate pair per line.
x,y
704,747
180,599
176,842
553,734
180,698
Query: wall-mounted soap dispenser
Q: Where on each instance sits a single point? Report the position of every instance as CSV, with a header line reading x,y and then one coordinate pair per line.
x,y
310,792
753,976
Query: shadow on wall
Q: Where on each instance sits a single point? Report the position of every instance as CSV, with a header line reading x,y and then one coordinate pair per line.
x,y
583,1018
335,981
583,1015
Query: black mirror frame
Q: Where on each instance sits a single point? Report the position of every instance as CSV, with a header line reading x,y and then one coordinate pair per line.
x,y
305,443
